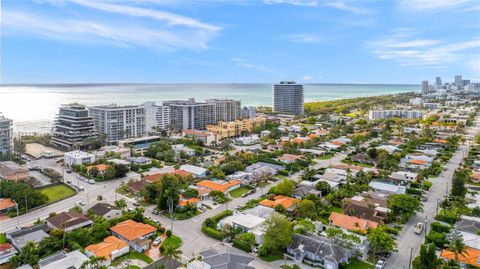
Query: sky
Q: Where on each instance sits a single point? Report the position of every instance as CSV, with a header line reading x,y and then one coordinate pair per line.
x,y
239,41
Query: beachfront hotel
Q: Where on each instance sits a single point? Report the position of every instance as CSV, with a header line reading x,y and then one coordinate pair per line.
x,y
189,114
73,128
288,98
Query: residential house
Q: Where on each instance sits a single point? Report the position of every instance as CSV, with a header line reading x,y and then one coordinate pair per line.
x,y
219,185
288,203
289,158
71,260
403,177
253,167
101,168
182,202
388,148
110,248
78,157
178,148
103,152
106,210
468,224
470,256
139,160
196,171
318,251
211,259
246,223
7,251
136,234
303,190
197,135
12,171
351,223
365,208
136,186
387,188
6,204
19,237
68,221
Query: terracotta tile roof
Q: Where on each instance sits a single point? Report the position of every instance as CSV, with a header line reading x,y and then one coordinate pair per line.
x,y
349,222
471,256
285,201
215,186
6,203
419,162
105,248
441,141
181,173
184,202
156,176
476,176
338,143
300,140
5,246
348,166
101,167
312,136
131,229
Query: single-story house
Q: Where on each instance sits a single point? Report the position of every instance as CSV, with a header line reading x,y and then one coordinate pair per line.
x,y
403,177
106,210
71,260
227,259
288,203
219,185
68,221
319,251
6,204
7,251
351,223
12,171
365,208
289,158
387,187
303,190
110,248
136,234
19,237
470,256
196,171
139,160
253,167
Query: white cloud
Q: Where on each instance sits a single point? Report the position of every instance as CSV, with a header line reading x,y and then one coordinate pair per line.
x,y
246,64
344,5
435,5
94,31
409,51
165,31
307,78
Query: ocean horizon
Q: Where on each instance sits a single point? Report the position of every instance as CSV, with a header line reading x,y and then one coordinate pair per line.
x,y
33,107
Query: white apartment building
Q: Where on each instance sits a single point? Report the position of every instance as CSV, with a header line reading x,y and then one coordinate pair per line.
x,y
156,116
226,109
78,157
6,135
288,98
119,122
189,114
404,114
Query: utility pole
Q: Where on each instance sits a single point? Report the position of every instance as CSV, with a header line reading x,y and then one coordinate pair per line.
x,y
170,210
18,215
410,260
26,203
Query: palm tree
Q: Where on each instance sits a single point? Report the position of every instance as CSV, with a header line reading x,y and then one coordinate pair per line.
x,y
92,263
171,251
456,245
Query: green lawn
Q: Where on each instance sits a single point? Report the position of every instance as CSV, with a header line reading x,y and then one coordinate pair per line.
x,y
358,164
132,256
3,238
57,192
357,264
238,192
173,240
272,257
325,157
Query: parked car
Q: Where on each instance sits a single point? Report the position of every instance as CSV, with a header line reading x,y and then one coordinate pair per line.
x,y
419,228
135,203
157,241
91,181
155,211
380,264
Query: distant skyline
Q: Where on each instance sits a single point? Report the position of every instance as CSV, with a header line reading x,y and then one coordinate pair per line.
x,y
239,41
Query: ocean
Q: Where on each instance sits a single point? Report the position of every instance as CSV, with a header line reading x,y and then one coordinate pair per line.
x,y
33,107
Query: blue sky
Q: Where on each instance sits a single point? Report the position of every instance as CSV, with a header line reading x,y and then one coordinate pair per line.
x,y
187,41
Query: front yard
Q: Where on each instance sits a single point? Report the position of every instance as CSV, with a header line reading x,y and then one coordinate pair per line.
x,y
57,192
173,240
357,264
238,192
133,256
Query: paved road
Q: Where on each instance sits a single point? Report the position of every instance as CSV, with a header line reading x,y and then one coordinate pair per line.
x,y
409,241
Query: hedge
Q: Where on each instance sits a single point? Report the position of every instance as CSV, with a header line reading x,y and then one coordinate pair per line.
x,y
438,227
272,161
242,245
414,191
447,216
208,231
439,239
427,185
221,215
283,172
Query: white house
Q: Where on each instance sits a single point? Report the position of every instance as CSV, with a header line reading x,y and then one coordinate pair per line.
x,y
387,187
197,171
78,157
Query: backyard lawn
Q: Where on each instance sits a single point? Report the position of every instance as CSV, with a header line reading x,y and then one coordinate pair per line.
x,y
173,240
238,192
357,264
325,157
57,192
132,256
3,238
272,257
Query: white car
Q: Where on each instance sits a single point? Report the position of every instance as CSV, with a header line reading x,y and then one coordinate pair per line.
x,y
157,241
380,264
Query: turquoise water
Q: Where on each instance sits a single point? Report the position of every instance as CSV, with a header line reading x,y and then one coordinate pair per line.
x,y
33,108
